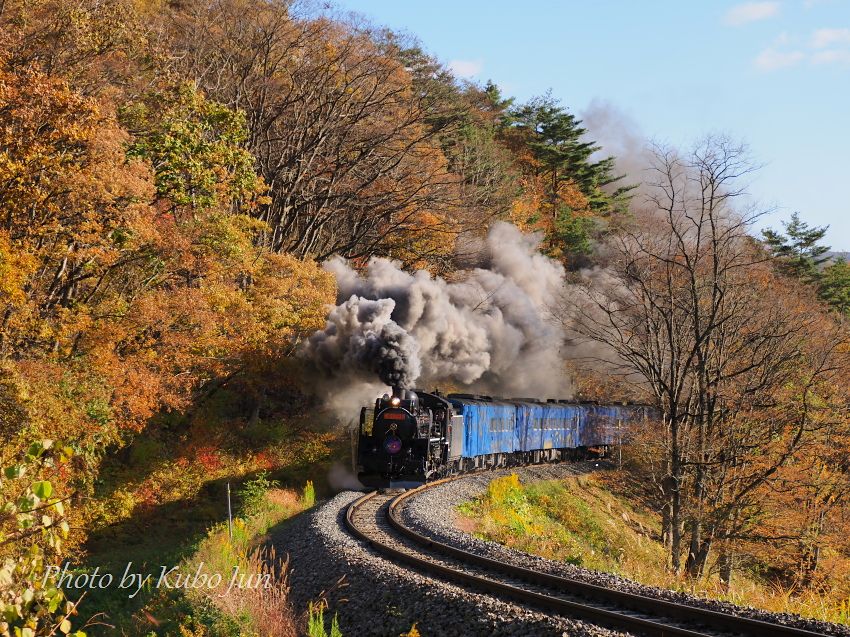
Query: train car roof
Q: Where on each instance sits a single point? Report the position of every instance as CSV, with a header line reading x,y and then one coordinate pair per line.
x,y
480,398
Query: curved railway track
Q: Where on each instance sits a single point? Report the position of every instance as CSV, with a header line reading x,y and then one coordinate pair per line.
x,y
376,519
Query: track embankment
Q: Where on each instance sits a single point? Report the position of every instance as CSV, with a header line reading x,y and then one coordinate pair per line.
x,y
403,561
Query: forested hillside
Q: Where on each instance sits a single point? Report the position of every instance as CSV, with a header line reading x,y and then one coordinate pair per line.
x,y
173,173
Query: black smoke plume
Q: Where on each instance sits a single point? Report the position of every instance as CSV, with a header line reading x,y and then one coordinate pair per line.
x,y
489,331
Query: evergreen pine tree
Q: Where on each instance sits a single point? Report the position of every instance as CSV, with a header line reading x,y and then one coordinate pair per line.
x,y
798,250
800,255
834,286
557,141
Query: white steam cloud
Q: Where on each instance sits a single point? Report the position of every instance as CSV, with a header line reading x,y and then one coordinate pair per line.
x,y
491,331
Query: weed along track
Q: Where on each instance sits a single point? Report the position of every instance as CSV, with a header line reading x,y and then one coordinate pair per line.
x,y
377,519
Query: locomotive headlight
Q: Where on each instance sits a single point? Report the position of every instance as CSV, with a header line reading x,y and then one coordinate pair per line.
x,y
395,401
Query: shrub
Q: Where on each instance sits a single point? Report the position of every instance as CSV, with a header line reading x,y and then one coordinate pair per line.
x,y
316,622
144,451
309,497
34,524
253,495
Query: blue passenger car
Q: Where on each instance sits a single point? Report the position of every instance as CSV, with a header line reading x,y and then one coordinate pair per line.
x,y
488,427
529,426
491,427
559,422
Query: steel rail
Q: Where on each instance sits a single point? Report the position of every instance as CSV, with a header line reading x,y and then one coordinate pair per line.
x,y
646,605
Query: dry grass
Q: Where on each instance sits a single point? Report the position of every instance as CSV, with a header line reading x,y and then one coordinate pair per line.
x,y
284,499
268,605
253,589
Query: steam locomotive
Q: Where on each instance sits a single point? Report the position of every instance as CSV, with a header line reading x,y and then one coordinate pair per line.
x,y
414,435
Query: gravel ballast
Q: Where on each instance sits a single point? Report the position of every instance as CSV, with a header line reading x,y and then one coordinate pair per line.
x,y
379,598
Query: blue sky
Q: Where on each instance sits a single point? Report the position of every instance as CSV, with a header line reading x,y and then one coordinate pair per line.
x,y
774,74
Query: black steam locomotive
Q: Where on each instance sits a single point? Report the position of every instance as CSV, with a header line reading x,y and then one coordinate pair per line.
x,y
421,436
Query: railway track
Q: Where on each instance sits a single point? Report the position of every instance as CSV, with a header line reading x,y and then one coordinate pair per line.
x,y
376,519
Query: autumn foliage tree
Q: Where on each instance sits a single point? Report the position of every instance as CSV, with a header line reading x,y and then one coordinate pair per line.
x,y
336,129
169,175
566,192
129,257
691,313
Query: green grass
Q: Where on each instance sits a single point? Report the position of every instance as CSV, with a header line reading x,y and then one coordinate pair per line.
x,y
580,521
571,521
